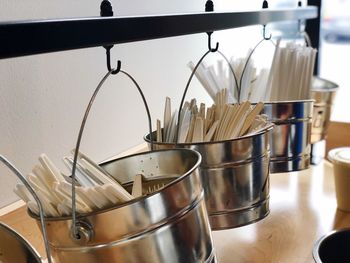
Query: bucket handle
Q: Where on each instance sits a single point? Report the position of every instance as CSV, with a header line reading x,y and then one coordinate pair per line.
x,y
249,57
307,38
76,231
9,165
189,82
302,32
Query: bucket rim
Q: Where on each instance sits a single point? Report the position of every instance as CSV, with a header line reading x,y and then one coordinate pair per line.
x,y
135,200
334,88
288,101
22,240
317,244
268,128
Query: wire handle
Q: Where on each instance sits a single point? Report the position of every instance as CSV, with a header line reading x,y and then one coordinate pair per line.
x,y
209,7
247,62
76,231
307,39
189,82
265,5
9,165
302,32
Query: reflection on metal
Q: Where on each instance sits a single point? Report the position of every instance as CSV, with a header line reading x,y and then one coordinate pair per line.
x,y
169,225
290,138
235,178
14,248
323,92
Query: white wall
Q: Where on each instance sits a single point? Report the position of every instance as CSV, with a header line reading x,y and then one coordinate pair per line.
x,y
43,97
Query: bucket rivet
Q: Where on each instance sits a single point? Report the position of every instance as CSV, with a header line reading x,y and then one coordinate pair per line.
x,y
84,232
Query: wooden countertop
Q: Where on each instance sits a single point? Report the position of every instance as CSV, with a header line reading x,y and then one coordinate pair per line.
x,y
303,208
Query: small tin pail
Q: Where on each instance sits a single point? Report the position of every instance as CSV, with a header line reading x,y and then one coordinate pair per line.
x,y
235,178
323,92
169,225
14,248
290,138
333,247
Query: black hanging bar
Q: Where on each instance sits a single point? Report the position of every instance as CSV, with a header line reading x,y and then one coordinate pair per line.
x,y
21,38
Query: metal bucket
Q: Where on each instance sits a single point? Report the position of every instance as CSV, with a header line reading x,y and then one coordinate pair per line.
x,y
235,178
290,138
169,225
14,248
323,92
333,247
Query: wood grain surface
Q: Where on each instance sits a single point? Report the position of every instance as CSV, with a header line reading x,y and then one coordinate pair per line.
x,y
337,135
303,208
26,226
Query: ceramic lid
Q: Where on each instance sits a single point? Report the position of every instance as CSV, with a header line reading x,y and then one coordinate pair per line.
x,y
340,155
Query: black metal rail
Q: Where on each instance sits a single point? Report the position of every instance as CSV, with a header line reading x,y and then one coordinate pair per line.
x,y
21,38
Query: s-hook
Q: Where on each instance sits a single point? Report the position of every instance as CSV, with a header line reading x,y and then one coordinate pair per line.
x,y
209,7
301,30
106,9
299,21
265,6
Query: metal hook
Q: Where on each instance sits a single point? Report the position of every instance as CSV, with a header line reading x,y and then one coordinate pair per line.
x,y
209,7
119,64
301,30
106,10
76,233
265,5
299,21
264,33
209,43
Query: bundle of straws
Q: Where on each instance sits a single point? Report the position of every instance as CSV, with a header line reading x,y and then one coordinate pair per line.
x,y
247,86
221,121
291,73
289,77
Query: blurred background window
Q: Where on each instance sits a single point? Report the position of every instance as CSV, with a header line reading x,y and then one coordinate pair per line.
x,y
334,50
335,53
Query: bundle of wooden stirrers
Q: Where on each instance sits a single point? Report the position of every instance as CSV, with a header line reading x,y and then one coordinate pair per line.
x,y
95,189
221,121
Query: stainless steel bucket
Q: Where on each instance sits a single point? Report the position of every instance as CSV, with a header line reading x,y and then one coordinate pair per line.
x,y
290,138
14,248
333,247
323,92
235,178
170,225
